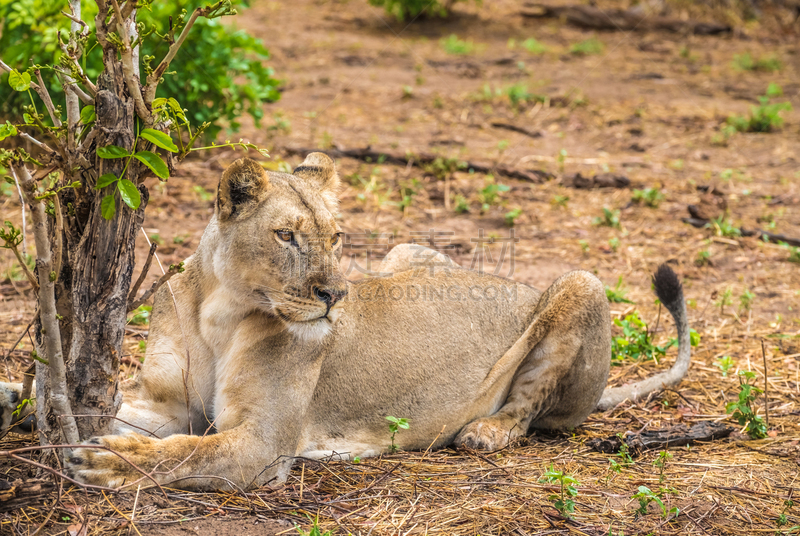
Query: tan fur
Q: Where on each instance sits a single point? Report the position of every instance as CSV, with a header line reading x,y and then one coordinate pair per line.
x,y
273,373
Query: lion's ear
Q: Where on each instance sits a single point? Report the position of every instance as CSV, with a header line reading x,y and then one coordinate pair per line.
x,y
242,186
319,171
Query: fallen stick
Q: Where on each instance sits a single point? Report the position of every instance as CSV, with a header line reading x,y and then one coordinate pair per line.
x,y
515,128
368,154
677,436
758,233
593,18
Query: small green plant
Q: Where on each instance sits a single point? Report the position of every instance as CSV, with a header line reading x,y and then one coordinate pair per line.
x,y
617,294
610,219
561,158
645,497
613,243
703,258
281,124
742,409
624,451
204,195
725,364
651,197
490,195
560,201
635,341
519,94
767,64
613,467
661,462
725,299
746,300
512,215
794,252
533,46
462,205
724,228
442,168
395,425
408,92
408,190
587,47
314,530
766,116
584,244
141,316
563,502
460,47
783,520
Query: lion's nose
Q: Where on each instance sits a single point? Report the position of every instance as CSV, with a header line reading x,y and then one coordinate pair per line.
x,y
329,296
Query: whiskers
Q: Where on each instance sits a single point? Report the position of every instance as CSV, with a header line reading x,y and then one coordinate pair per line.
x,y
288,307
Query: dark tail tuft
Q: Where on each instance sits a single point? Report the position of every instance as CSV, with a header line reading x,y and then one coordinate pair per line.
x,y
668,287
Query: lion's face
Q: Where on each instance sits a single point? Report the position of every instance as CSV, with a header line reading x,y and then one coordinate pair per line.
x,y
280,245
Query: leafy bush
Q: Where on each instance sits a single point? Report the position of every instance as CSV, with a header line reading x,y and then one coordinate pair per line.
x,y
410,9
231,79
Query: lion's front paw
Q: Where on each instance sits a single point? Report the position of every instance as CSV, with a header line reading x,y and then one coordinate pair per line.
x,y
108,466
485,434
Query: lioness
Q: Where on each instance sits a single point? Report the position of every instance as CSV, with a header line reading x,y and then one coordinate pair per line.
x,y
279,355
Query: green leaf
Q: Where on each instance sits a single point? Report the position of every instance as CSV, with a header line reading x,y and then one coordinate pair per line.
x,y
112,151
108,207
130,193
27,118
87,115
7,130
154,162
159,139
105,180
19,81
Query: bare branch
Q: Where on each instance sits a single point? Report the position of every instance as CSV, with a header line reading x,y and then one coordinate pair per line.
x,y
47,304
59,236
155,77
130,72
41,145
27,381
73,104
5,67
173,270
146,268
76,20
82,94
48,102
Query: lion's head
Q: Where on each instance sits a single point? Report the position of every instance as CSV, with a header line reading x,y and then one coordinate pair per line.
x,y
278,244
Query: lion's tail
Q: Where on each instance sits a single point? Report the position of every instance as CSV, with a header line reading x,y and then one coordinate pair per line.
x,y
670,292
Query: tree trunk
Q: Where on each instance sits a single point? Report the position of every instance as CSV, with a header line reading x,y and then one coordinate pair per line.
x,y
96,268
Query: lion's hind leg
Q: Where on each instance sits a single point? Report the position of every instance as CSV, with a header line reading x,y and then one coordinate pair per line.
x,y
561,378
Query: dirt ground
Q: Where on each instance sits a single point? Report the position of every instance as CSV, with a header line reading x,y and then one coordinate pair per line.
x,y
650,106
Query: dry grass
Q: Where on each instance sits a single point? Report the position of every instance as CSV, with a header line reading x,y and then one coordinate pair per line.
x,y
731,486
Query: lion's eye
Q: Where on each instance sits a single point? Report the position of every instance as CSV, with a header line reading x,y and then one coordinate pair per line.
x,y
284,235
335,239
